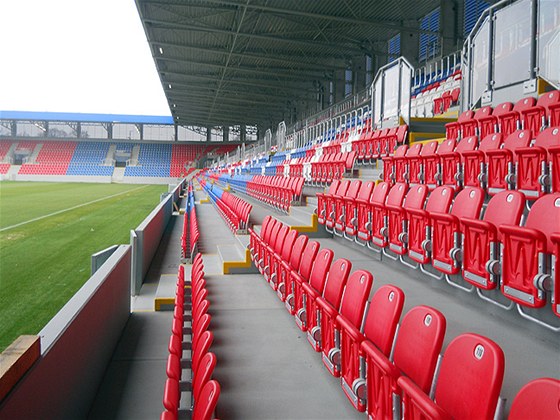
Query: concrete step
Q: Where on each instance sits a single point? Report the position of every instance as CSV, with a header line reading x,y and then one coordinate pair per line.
x,y
235,258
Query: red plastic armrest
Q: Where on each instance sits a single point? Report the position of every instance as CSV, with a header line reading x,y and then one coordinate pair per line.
x,y
421,400
523,232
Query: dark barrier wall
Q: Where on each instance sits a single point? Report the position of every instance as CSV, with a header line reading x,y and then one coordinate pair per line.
x,y
76,347
149,234
146,237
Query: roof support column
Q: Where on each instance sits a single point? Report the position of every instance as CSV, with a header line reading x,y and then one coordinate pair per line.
x,y
410,43
225,131
448,26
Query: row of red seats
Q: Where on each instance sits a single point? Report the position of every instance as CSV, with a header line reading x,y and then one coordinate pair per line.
x,y
204,391
331,166
447,99
519,161
527,114
190,234
375,144
330,304
447,231
235,211
4,168
276,191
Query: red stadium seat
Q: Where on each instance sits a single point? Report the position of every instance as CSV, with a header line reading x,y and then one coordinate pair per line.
x,y
397,220
419,227
524,276
283,281
351,208
303,288
365,215
379,213
446,229
481,238
534,164
352,309
379,329
305,267
537,400
205,406
337,275
415,356
468,385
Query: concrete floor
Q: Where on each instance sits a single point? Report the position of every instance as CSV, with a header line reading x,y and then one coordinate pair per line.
x,y
266,368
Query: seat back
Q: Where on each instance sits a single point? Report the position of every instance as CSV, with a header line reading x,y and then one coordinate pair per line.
x,y
429,148
308,259
171,395
416,197
524,103
467,144
365,190
544,216
414,150
272,234
289,244
203,374
537,400
297,252
396,194
354,188
282,233
401,151
383,316
336,280
465,116
502,108
468,203
447,146
470,378
439,200
505,208
207,401
419,343
355,296
483,112
491,142
549,137
320,269
379,194
333,187
519,138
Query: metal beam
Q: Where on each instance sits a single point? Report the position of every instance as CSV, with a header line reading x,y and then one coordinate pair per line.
x,y
292,75
344,47
380,23
251,93
253,83
200,98
284,57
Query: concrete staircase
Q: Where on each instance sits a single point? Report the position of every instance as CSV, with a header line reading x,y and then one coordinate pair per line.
x,y
110,157
118,175
10,154
33,156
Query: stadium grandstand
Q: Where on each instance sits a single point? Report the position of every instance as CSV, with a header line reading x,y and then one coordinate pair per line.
x,y
362,219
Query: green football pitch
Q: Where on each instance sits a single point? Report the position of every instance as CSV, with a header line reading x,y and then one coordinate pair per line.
x,y
48,232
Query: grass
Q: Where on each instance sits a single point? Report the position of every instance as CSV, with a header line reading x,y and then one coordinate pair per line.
x,y
44,262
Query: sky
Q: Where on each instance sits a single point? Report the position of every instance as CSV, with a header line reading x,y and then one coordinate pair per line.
x,y
87,56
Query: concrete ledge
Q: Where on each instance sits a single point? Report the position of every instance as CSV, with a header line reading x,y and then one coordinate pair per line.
x,y
163,304
16,360
307,228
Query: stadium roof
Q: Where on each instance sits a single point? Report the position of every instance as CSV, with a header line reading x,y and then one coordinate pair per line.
x,y
225,62
78,117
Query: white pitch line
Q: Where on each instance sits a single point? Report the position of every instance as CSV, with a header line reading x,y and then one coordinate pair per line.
x,y
70,208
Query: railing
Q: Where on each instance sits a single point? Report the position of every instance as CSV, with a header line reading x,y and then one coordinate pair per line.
x,y
513,44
